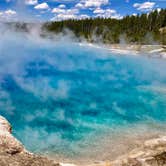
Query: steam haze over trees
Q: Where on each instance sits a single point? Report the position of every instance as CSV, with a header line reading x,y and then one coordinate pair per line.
x,y
141,29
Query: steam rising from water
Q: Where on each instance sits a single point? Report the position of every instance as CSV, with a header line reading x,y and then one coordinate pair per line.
x,y
64,97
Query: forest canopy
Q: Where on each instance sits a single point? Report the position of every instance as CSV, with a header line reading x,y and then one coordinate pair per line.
x,y
140,29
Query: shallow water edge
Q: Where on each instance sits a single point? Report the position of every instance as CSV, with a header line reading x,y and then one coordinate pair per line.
x,y
150,152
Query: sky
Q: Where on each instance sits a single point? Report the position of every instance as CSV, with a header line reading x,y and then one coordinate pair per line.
x,y
55,10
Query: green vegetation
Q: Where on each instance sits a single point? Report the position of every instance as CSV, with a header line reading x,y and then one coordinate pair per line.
x,y
140,29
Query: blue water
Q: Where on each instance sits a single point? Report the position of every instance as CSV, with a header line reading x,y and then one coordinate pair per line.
x,y
60,97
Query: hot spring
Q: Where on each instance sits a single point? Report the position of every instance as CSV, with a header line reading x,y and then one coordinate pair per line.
x,y
71,101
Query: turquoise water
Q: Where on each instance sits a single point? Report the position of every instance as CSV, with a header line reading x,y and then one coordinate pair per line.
x,y
61,97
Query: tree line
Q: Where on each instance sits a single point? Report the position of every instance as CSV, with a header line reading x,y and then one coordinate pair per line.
x,y
139,29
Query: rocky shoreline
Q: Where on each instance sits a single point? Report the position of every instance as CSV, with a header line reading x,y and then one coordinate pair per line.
x,y
151,51
13,153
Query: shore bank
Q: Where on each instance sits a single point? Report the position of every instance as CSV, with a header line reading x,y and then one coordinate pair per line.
x,y
153,51
151,153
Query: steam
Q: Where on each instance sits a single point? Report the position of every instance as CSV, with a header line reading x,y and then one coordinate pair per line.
x,y
65,94
41,88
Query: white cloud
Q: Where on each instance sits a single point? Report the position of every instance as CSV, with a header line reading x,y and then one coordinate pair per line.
x,y
31,2
106,13
62,6
8,15
66,11
63,17
83,16
102,11
58,10
10,12
98,11
91,3
95,3
42,6
146,6
79,5
64,14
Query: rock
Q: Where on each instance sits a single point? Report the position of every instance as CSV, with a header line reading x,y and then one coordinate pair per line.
x,y
152,153
5,125
13,153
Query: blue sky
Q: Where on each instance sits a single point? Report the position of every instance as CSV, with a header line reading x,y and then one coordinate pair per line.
x,y
45,10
